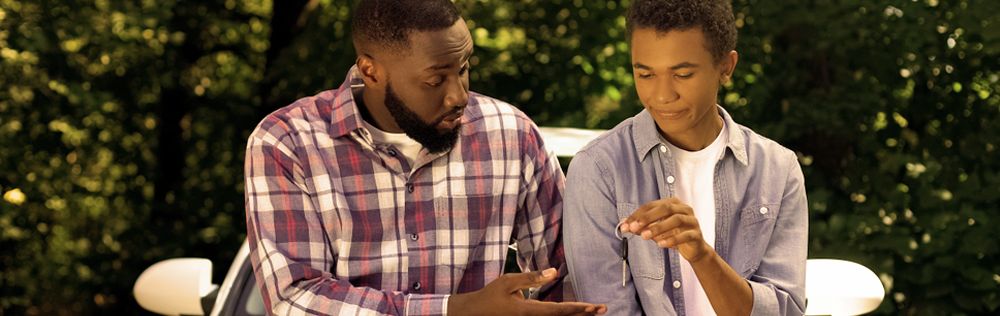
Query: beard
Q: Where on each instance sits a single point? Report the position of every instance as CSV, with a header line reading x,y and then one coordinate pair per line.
x,y
426,134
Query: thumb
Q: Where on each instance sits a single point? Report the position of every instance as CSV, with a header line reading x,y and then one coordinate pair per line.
x,y
519,281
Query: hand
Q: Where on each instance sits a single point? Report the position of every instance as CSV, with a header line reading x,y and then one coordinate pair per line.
x,y
503,296
671,224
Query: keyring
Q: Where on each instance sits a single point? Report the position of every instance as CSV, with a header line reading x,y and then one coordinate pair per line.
x,y
618,230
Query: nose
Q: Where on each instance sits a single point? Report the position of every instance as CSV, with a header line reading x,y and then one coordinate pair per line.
x,y
457,94
664,92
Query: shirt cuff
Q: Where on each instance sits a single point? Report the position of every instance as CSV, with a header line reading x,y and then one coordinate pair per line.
x,y
764,300
427,304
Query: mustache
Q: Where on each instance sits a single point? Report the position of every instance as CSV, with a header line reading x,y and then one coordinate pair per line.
x,y
450,113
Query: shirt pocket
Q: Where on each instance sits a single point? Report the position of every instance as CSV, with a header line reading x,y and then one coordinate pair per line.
x,y
473,212
645,258
756,226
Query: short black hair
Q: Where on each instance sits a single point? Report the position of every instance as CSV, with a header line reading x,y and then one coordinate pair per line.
x,y
387,24
714,17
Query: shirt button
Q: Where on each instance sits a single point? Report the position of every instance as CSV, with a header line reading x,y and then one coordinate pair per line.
x,y
677,284
409,187
663,149
670,179
414,237
763,210
416,286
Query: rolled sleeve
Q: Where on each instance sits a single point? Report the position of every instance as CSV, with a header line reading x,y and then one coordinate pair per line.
x,y
764,300
427,304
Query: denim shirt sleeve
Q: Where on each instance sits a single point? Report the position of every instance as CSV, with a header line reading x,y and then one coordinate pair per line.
x,y
589,219
777,285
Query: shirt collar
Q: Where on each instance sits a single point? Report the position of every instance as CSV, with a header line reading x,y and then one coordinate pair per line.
x,y
345,117
646,136
737,140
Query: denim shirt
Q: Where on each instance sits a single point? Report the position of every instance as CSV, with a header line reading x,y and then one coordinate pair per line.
x,y
761,220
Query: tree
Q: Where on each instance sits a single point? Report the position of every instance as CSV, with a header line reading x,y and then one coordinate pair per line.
x,y
123,125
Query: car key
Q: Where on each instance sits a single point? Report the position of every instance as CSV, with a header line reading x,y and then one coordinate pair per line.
x,y
624,252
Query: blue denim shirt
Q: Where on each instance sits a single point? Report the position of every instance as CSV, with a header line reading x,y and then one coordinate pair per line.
x,y
761,220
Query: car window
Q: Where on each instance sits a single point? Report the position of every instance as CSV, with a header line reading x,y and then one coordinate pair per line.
x,y
250,303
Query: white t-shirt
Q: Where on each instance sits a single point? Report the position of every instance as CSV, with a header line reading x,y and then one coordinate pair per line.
x,y
695,175
407,147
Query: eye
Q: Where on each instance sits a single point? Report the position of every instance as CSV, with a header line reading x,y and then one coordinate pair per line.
x,y
684,75
436,81
464,70
645,75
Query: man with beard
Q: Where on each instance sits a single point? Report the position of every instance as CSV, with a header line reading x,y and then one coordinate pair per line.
x,y
399,192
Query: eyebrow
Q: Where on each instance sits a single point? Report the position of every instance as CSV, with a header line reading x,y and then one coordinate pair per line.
x,y
438,67
674,67
448,65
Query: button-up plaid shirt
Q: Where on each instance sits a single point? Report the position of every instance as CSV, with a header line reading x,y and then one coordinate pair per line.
x,y
341,225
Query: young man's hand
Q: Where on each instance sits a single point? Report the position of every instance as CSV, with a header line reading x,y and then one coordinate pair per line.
x,y
671,224
503,296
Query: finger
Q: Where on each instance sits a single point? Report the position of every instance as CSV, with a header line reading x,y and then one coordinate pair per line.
x,y
515,282
600,309
681,208
674,224
649,215
662,212
662,226
533,307
681,238
623,225
670,205
649,206
634,216
666,235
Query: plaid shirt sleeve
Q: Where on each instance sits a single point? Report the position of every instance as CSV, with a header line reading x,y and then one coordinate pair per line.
x,y
291,252
539,224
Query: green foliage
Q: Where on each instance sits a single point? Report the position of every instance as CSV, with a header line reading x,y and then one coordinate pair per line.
x,y
92,93
893,109
123,124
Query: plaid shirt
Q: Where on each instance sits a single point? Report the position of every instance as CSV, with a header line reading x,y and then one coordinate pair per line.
x,y
340,225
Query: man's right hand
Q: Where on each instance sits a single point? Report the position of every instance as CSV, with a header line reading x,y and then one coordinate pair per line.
x,y
503,296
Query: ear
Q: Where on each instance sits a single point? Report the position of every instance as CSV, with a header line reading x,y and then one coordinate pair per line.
x,y
370,71
728,65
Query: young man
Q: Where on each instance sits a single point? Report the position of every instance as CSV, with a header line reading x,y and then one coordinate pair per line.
x,y
709,216
398,192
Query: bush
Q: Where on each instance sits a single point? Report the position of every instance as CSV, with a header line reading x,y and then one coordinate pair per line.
x,y
123,125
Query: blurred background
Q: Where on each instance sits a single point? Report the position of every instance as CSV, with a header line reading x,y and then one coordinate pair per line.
x,y
123,126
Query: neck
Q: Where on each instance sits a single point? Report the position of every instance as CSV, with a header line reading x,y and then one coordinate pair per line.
x,y
373,111
699,136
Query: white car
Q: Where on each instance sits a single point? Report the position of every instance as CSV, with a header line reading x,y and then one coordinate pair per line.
x,y
183,286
